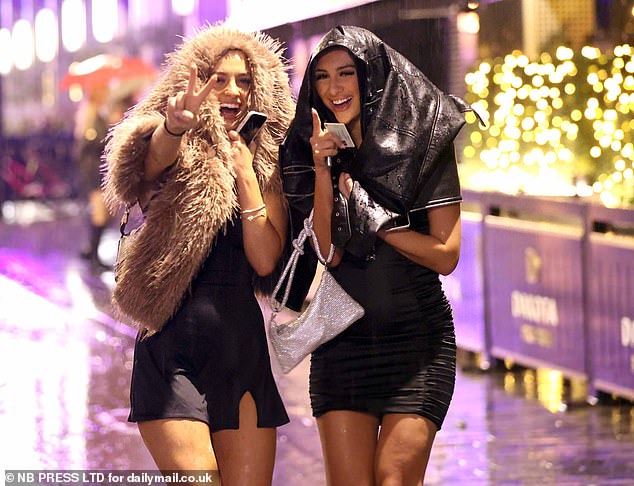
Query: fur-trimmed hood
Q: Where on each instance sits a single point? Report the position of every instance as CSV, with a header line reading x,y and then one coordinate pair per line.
x,y
196,197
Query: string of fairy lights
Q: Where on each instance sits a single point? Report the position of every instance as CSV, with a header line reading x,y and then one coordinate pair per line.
x,y
561,124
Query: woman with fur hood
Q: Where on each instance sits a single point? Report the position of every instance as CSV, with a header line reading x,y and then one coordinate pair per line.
x,y
202,388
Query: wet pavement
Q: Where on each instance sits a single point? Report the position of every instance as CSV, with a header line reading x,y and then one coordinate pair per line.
x,y
65,370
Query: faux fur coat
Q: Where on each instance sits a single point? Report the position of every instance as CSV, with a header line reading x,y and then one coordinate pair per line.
x,y
197,196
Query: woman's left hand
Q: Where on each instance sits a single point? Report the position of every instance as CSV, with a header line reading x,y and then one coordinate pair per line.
x,y
345,184
242,156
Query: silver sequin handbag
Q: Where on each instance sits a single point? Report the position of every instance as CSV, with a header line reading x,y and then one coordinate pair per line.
x,y
330,312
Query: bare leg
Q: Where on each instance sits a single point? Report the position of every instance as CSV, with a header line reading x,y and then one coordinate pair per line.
x,y
99,215
403,449
348,441
179,445
246,456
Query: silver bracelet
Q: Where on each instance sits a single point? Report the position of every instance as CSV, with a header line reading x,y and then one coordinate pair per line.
x,y
254,210
252,217
252,214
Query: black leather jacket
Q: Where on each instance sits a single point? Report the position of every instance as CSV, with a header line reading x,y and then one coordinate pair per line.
x,y
406,162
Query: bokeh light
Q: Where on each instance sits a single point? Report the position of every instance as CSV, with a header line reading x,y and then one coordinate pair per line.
x,y
557,125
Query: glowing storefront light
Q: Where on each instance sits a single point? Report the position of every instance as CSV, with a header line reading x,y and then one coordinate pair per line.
x,y
46,35
105,19
22,44
183,7
73,25
468,22
6,58
258,15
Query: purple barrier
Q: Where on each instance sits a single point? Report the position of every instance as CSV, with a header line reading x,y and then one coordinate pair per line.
x,y
534,282
464,287
611,302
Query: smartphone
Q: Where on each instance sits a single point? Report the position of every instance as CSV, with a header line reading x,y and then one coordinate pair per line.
x,y
250,125
341,131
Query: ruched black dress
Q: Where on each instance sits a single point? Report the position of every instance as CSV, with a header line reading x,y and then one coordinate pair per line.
x,y
400,357
212,352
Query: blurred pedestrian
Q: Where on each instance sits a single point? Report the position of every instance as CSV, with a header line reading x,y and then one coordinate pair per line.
x,y
91,127
391,205
202,391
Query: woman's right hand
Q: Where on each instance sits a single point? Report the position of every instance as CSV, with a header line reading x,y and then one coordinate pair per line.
x,y
324,144
182,109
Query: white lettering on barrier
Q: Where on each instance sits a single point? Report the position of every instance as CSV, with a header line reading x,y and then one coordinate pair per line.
x,y
627,332
534,308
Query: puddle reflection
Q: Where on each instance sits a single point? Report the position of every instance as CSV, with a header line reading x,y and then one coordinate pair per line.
x,y
43,398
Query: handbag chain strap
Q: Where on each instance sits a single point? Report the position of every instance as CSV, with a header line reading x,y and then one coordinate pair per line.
x,y
291,265
126,215
124,219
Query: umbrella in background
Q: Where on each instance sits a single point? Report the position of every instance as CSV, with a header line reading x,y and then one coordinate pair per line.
x,y
106,69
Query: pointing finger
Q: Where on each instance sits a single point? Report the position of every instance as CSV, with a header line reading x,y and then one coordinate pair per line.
x,y
316,123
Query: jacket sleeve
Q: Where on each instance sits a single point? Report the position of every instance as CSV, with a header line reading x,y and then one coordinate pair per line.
x,y
367,217
443,185
127,146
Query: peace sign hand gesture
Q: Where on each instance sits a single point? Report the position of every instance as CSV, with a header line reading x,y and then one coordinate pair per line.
x,y
183,108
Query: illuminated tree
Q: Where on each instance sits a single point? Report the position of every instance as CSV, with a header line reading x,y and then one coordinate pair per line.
x,y
558,125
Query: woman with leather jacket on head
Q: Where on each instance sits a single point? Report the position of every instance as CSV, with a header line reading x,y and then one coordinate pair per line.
x,y
391,205
202,391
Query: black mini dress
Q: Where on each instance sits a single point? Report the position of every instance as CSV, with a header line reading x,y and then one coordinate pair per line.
x,y
212,352
400,357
